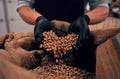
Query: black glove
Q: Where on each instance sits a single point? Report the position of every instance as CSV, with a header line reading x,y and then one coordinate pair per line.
x,y
42,24
80,26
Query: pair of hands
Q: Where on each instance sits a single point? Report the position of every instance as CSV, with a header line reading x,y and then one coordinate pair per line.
x,y
79,26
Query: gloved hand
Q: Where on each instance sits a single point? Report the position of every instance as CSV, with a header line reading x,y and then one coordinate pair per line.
x,y
80,26
42,24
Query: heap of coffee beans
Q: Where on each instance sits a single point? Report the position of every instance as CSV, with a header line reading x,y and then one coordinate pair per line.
x,y
61,72
59,45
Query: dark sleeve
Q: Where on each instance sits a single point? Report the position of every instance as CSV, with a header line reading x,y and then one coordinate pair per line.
x,y
95,3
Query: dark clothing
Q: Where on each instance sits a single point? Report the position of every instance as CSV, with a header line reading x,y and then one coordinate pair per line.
x,y
66,10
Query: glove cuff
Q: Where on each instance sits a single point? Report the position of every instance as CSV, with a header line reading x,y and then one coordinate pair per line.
x,y
87,18
39,18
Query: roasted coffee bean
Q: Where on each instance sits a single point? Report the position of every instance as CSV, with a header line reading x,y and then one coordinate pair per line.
x,y
59,45
61,72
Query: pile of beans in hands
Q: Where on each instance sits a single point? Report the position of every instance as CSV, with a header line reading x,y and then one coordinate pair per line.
x,y
58,45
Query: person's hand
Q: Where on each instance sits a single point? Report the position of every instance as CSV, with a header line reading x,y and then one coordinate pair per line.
x,y
42,24
80,26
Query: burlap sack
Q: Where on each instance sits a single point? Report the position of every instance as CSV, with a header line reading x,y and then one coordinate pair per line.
x,y
12,71
18,50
